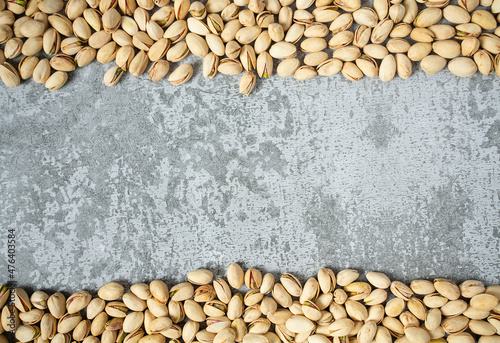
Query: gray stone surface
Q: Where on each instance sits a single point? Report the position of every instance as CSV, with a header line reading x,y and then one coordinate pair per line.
x,y
145,180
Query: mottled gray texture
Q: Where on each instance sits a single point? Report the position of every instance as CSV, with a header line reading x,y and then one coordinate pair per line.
x,y
145,180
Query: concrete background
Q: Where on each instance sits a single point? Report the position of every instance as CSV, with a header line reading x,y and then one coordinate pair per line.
x,y
145,180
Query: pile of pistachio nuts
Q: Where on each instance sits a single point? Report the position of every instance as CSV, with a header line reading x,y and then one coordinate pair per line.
x,y
303,38
328,308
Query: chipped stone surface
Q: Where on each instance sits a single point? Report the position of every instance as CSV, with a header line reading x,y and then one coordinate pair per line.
x,y
145,180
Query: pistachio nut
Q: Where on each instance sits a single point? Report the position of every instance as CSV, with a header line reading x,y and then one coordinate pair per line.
x,y
189,331
296,308
197,45
40,74
443,286
216,24
48,324
12,49
401,30
141,290
134,320
93,18
481,327
484,302
459,66
357,290
325,14
378,280
341,23
309,308
177,31
381,31
21,300
285,17
339,295
253,296
50,6
134,337
303,17
216,324
56,303
246,18
138,66
26,67
484,19
249,62
317,30
284,50
194,311
441,32
368,331
395,307
341,39
83,58
434,300
62,24
142,41
227,335
348,5
68,322
397,12
158,71
98,39
338,311
203,336
346,54
381,7
132,301
259,325
294,33
456,14
27,333
32,46
394,326
267,281
408,319
210,64
428,17
197,26
264,19
54,82
247,35
377,312
129,26
197,10
365,16
255,338
32,28
472,313
377,296
383,335
215,308
285,68
417,335
411,11
282,332
269,305
398,45
454,307
240,329
341,327
488,41
229,31
310,45
422,34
